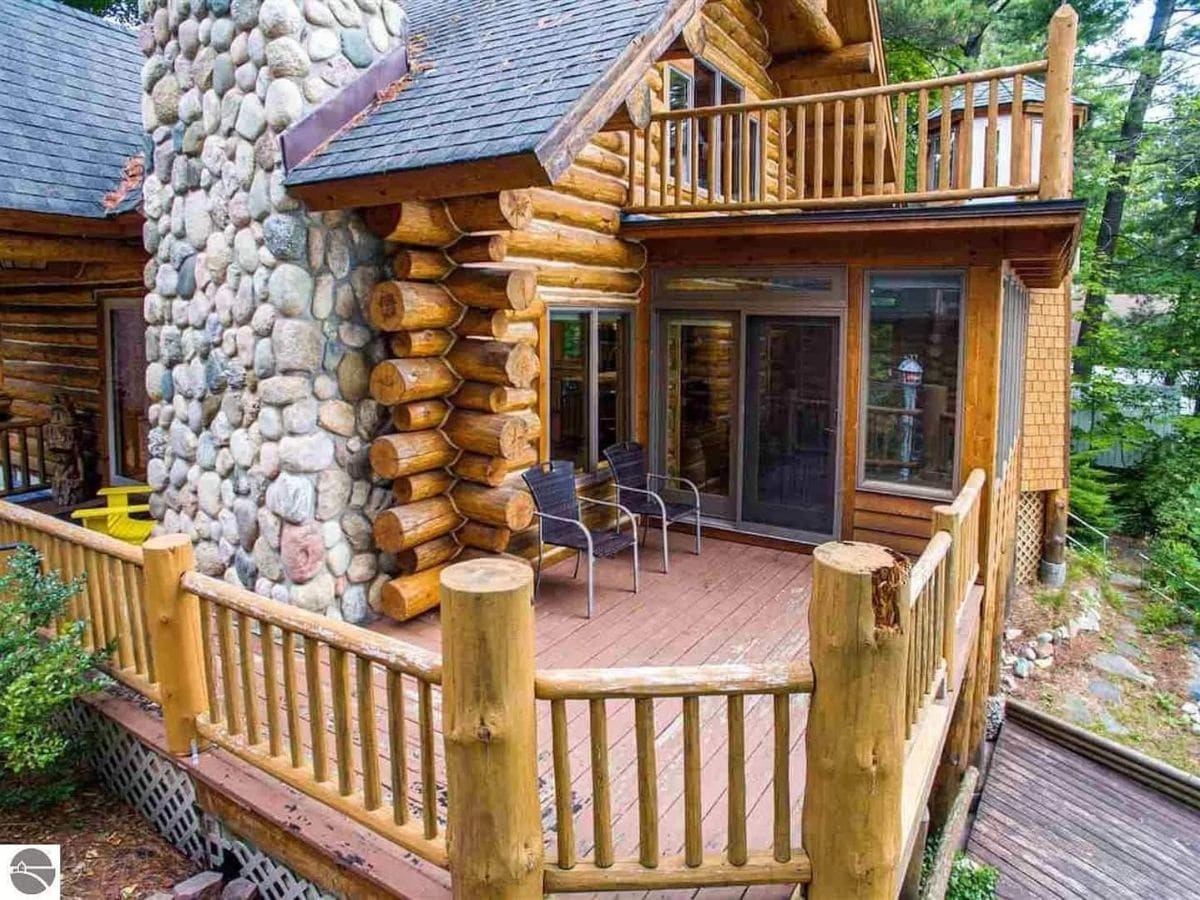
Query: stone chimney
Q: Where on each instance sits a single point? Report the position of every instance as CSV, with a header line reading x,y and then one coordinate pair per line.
x,y
258,350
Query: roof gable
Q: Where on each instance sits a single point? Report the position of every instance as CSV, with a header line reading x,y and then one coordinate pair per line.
x,y
70,109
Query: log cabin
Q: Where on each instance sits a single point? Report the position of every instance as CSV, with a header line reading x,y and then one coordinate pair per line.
x,y
394,255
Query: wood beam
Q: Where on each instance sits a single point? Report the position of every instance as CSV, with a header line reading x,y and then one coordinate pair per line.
x,y
634,112
851,59
66,274
125,225
799,25
40,248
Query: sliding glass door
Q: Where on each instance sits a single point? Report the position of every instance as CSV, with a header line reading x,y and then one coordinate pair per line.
x,y
789,458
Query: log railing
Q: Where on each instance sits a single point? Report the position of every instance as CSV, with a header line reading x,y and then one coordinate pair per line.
x,y
112,602
351,718
726,692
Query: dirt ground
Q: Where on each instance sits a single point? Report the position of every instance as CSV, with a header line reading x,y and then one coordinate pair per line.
x,y
108,849
1139,705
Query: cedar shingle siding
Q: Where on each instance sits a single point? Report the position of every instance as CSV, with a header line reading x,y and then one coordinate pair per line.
x,y
1047,357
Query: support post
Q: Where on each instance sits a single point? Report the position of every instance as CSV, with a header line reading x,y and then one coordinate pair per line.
x,y
174,620
494,833
855,742
1052,571
1058,127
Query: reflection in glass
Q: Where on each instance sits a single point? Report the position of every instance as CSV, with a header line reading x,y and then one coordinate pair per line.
x,y
612,379
912,378
699,402
569,345
129,401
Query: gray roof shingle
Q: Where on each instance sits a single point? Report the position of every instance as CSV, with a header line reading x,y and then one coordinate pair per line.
x,y
493,78
1032,91
70,109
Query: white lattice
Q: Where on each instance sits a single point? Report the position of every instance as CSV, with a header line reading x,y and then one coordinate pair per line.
x,y
1031,510
163,793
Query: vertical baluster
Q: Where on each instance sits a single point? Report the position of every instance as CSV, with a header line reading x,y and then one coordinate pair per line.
x,y
839,145
398,746
909,675
693,841
993,130
714,144
367,734
601,796
233,715
922,140
564,815
901,142
760,189
647,770
782,779
139,593
646,157
266,639
944,142
945,611
137,624
727,158
859,136
428,775
215,710
744,169
801,139
26,468
964,174
41,430
736,712
819,151
631,167
781,172
112,628
1018,152
339,689
680,138
664,144
6,461
95,598
316,709
120,603
694,157
249,694
882,113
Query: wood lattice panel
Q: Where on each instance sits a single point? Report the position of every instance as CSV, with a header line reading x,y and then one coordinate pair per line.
x,y
1030,516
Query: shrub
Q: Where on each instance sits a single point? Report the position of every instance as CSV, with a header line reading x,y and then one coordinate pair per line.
x,y
1091,497
970,880
41,673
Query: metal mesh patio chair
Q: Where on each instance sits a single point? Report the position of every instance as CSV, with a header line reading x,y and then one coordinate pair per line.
x,y
552,485
627,462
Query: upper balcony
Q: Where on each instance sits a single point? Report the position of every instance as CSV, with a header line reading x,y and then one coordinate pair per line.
x,y
1000,134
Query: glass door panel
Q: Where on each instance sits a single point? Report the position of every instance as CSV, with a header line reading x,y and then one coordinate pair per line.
x,y
699,405
790,452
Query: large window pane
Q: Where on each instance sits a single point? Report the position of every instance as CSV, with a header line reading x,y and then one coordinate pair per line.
x,y
569,365
915,320
612,379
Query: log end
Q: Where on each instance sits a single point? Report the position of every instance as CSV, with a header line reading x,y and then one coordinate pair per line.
x,y
487,576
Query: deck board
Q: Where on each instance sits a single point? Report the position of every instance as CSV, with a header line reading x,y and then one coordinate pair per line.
x,y
1057,824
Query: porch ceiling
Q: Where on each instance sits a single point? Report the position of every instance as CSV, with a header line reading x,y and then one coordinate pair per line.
x,y
1037,238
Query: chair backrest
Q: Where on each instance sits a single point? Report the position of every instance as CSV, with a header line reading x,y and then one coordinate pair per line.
x,y
627,462
553,487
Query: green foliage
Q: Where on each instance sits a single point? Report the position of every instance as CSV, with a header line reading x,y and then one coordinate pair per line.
x,y
41,673
1091,497
123,11
970,880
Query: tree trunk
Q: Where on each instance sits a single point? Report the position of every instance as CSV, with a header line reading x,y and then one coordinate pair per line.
x,y
1132,128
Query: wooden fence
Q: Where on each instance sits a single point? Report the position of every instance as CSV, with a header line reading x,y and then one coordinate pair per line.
x,y
854,147
351,718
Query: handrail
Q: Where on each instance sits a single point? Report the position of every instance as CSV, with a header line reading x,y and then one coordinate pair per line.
x,y
673,681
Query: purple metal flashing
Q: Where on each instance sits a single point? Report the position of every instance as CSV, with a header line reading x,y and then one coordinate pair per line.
x,y
321,125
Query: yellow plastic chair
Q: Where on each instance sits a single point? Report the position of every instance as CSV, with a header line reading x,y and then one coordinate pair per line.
x,y
115,517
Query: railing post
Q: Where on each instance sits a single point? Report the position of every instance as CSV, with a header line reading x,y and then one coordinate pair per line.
x,y
494,832
945,520
852,825
1058,127
173,615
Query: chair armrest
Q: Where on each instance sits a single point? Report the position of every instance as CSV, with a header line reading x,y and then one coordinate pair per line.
x,y
661,505
124,490
620,509
586,531
680,480
103,511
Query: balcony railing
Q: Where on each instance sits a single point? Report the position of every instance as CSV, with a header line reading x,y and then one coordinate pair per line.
x,y
887,145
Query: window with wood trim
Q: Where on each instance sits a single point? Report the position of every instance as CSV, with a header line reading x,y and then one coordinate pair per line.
x,y
700,88
590,383
126,400
912,381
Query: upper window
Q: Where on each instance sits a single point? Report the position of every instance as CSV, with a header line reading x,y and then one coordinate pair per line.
x,y
914,327
590,399
702,88
127,401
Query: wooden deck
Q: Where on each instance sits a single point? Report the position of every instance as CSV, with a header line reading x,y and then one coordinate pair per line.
x,y
733,603
1059,825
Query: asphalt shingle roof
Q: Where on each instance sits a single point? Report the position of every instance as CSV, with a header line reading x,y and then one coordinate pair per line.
x,y
1032,91
70,109
493,77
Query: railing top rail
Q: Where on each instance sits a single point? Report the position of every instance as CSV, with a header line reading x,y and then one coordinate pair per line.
x,y
378,648
1029,68
674,681
967,495
72,534
922,570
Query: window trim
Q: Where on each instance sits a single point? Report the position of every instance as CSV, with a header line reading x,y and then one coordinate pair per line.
x,y
111,410
861,482
592,314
